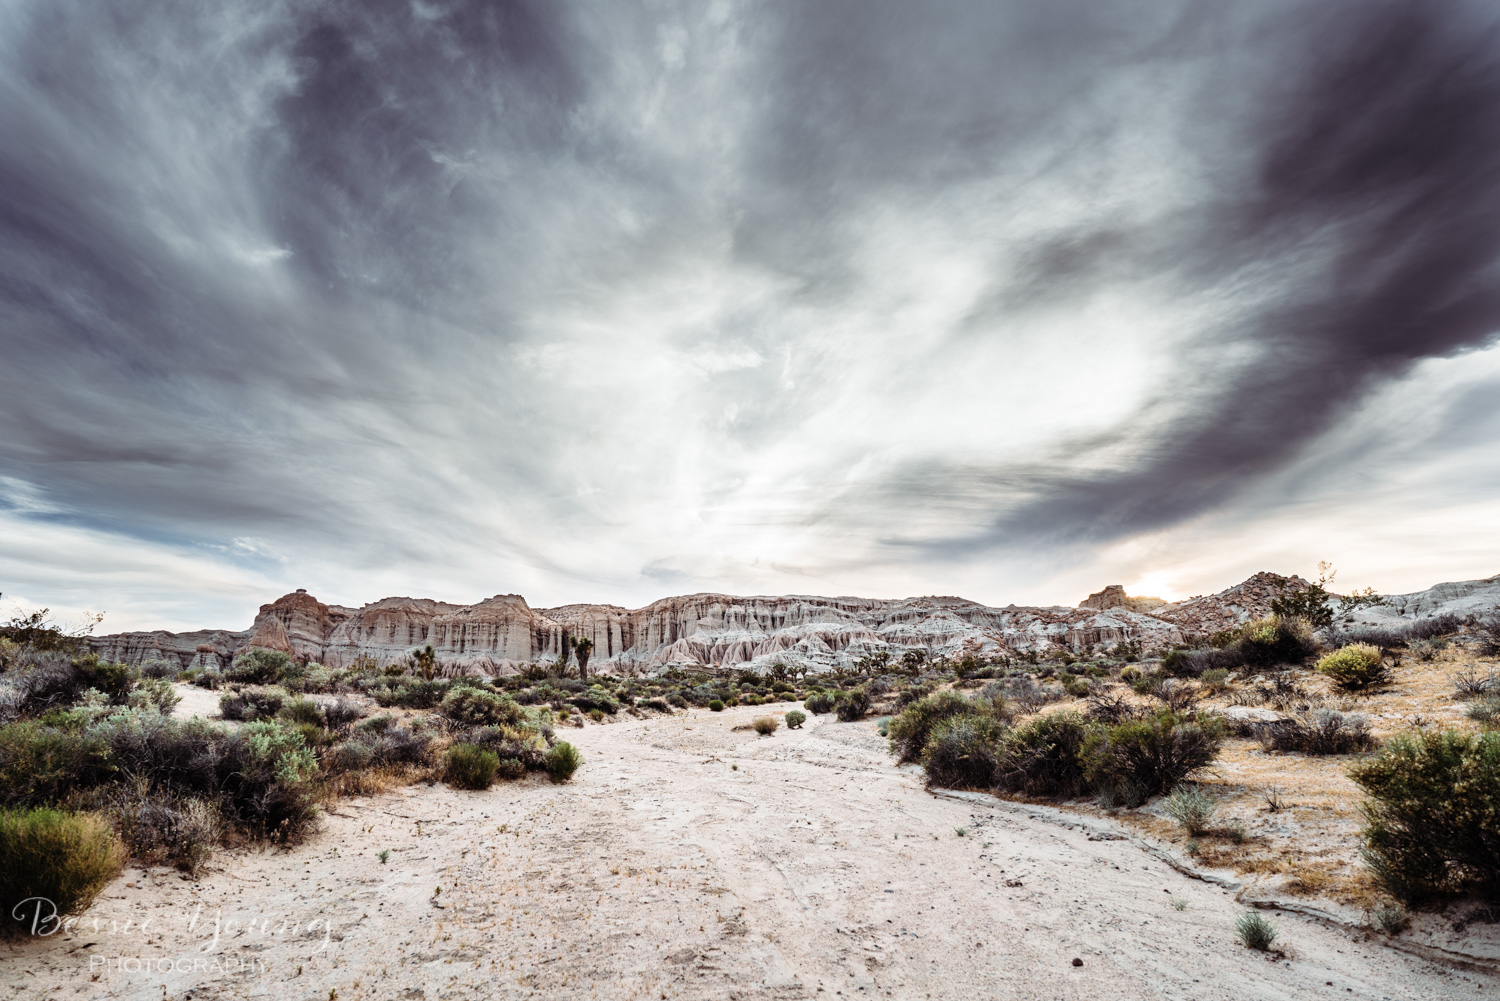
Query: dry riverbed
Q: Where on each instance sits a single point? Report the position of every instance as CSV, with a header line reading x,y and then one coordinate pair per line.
x,y
688,859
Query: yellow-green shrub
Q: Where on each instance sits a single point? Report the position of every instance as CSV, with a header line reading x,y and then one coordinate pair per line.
x,y
1355,667
65,858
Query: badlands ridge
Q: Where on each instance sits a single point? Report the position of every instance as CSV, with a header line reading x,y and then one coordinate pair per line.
x,y
503,633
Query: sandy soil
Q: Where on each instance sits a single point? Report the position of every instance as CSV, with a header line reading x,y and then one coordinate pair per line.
x,y
691,860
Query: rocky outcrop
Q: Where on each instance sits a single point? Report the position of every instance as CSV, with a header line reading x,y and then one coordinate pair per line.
x,y
503,633
1250,599
1114,596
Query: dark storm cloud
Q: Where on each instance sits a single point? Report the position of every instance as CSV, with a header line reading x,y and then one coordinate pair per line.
x,y
1362,228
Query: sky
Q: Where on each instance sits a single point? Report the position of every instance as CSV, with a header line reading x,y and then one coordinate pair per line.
x,y
612,301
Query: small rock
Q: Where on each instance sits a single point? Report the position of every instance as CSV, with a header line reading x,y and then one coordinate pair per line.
x,y
1077,961
1252,714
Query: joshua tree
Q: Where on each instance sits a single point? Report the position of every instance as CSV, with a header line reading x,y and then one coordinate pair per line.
x,y
424,662
582,647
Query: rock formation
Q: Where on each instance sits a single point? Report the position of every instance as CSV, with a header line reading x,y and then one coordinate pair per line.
x,y
1114,596
504,633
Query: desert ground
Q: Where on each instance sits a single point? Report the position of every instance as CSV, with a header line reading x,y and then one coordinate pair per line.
x,y
691,858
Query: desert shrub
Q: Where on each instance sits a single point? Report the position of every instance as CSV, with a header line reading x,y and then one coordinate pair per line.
x,y
1276,639
471,767
596,697
1392,919
853,705
1192,807
251,703
341,713
910,730
960,753
171,753
259,666
51,680
41,764
1356,667
66,858
1321,731
765,725
1484,710
1433,814
1043,756
410,693
660,705
163,827
1107,707
1487,632
1215,680
822,702
1434,626
1469,684
299,712
267,775
1254,931
1027,696
562,761
795,718
911,694
154,693
1177,695
716,705
476,707
157,668
510,769
1144,757
114,680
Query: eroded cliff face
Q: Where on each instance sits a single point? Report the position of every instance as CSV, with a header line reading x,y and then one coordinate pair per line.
x,y
503,633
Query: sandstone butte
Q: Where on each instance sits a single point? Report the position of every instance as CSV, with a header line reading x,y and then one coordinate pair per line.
x,y
502,634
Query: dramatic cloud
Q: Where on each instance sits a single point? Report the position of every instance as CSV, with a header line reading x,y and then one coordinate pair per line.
x,y
605,301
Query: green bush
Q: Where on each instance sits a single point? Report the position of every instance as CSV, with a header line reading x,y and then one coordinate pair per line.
x,y
410,693
300,712
66,858
821,703
252,703
1254,931
154,693
562,761
1144,757
1356,667
114,680
716,705
960,753
1433,814
910,731
471,767
1043,756
795,718
41,764
1192,807
259,666
476,707
510,769
268,775
1276,639
765,725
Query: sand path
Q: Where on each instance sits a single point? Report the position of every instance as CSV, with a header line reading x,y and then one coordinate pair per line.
x,y
690,860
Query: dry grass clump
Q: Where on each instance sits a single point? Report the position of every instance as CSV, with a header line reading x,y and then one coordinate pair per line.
x,y
64,858
765,725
